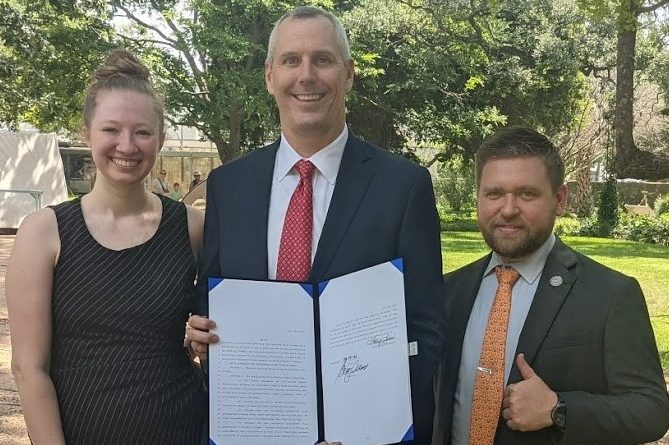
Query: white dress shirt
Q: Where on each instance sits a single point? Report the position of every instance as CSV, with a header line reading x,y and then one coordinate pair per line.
x,y
522,295
284,181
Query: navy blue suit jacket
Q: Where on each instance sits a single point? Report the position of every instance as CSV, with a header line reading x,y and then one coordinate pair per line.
x,y
382,207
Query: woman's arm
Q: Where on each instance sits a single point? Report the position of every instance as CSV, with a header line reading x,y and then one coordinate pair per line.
x,y
29,284
195,229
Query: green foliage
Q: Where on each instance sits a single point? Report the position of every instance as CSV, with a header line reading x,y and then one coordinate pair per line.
x,y
567,225
449,73
607,210
588,227
207,58
459,222
47,52
428,72
660,71
661,205
597,9
210,65
455,184
647,229
624,11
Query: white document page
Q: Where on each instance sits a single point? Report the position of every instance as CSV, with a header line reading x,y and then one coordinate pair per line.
x,y
365,361
262,377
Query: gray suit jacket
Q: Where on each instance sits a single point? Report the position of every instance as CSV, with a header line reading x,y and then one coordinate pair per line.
x,y
589,339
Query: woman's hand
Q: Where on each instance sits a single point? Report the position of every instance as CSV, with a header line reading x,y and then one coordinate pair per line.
x,y
197,336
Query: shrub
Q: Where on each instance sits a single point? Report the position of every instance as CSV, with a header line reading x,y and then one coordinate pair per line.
x,y
455,184
647,229
589,226
567,225
662,204
459,223
635,228
607,211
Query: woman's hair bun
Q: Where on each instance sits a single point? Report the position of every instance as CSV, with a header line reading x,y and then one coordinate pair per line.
x,y
121,62
121,70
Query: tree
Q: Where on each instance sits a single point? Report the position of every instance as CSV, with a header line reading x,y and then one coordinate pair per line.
x,y
608,213
448,73
208,56
428,72
630,161
455,184
47,52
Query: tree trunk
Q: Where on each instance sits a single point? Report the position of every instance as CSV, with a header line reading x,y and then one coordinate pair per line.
x,y
230,149
630,162
624,117
222,147
235,126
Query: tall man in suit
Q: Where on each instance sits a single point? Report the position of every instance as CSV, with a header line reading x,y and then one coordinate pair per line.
x,y
571,359
368,206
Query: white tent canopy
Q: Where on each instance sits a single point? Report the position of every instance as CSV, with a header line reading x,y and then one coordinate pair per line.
x,y
31,175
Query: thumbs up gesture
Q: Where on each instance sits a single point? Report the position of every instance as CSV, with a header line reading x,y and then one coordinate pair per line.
x,y
527,404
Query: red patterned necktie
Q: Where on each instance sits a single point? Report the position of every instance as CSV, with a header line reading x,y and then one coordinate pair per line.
x,y
294,263
489,382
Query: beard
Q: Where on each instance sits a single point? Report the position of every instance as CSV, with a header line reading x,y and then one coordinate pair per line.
x,y
517,246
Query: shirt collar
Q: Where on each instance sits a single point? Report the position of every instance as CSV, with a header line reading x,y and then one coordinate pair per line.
x,y
529,268
326,160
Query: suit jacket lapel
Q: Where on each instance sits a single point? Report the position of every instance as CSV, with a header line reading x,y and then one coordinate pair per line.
x,y
461,290
461,296
353,178
547,301
258,190
461,300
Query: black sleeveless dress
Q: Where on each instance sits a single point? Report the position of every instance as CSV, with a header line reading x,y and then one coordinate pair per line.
x,y
118,364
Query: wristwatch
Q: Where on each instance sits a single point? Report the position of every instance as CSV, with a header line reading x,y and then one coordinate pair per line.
x,y
559,414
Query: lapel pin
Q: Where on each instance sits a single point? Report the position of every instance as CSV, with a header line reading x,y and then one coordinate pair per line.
x,y
556,281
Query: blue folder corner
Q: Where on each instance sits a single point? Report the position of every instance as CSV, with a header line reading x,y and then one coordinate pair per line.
x,y
213,282
408,435
308,288
398,263
322,285
211,442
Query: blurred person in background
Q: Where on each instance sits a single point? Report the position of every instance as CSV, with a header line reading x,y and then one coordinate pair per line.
x,y
159,184
176,192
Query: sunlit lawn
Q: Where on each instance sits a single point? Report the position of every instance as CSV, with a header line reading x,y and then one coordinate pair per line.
x,y
648,263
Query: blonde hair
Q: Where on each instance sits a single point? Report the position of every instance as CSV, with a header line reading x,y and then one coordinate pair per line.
x,y
121,70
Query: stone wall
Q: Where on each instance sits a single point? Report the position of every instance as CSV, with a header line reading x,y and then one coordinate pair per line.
x,y
630,192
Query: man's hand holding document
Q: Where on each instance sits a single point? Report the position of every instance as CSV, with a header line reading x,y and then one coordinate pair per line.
x,y
299,362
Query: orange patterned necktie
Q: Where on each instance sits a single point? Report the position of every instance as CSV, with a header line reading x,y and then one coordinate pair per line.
x,y
489,383
294,262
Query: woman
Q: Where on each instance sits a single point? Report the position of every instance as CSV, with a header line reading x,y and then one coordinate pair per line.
x,y
99,288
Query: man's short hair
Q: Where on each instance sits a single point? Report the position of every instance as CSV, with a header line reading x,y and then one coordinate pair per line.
x,y
309,12
521,142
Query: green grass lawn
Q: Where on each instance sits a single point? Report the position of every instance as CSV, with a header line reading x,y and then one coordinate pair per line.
x,y
648,263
